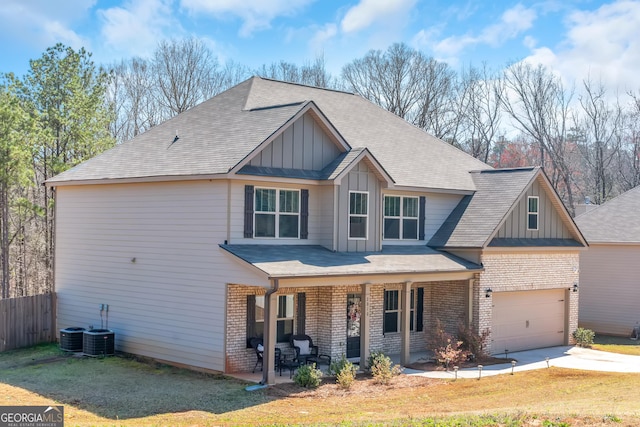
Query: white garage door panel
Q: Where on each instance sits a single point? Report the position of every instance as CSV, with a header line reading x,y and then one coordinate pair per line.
x,y
526,320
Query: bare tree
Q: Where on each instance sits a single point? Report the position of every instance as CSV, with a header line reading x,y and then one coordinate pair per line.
x,y
131,94
480,111
409,84
311,74
628,162
144,93
600,127
538,103
186,74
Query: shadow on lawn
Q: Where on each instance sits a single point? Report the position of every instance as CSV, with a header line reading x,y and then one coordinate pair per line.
x,y
121,387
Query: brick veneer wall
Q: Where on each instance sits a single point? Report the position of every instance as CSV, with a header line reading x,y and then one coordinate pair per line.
x,y
446,301
239,358
326,318
524,271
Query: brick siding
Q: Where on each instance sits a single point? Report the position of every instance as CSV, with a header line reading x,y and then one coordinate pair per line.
x,y
525,271
326,318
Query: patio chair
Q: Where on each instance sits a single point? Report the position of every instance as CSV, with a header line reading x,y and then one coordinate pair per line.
x,y
257,345
306,352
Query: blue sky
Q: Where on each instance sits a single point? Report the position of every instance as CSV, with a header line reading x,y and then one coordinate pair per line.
x,y
574,37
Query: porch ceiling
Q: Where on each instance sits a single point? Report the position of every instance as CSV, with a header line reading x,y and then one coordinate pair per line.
x,y
284,261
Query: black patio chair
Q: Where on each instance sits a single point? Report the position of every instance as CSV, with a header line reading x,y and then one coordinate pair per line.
x,y
306,352
257,345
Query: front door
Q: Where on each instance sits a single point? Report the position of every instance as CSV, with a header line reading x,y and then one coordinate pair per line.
x,y
353,325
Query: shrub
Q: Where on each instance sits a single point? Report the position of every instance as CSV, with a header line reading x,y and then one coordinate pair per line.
x,y
344,371
308,376
338,365
346,376
446,349
381,367
473,342
584,337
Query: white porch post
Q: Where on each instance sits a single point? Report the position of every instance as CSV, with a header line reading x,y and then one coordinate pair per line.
x,y
365,323
269,339
405,325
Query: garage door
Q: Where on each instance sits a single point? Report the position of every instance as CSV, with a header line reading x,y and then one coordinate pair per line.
x,y
527,320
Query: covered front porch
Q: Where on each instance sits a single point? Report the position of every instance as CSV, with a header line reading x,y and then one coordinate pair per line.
x,y
387,301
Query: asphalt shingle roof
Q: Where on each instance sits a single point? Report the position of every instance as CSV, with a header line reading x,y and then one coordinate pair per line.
x,y
311,260
473,221
616,221
216,135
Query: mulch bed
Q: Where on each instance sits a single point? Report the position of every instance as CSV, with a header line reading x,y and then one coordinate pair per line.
x,y
485,361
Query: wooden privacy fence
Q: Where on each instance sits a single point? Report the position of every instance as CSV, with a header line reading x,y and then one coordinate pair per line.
x,y
27,321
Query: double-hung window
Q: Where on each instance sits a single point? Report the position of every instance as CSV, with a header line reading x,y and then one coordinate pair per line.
x,y
277,213
401,218
392,310
532,213
285,318
358,214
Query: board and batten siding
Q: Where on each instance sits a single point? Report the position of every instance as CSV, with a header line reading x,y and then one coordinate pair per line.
x,y
320,214
149,251
550,225
303,145
360,178
610,288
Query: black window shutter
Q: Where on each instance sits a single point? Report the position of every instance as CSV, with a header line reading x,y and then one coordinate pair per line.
x,y
301,313
251,318
248,211
304,214
420,310
421,217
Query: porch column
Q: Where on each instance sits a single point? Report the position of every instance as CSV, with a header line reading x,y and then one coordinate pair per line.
x,y
269,338
365,323
470,303
405,325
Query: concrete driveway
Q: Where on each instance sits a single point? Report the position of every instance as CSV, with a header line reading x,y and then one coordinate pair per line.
x,y
563,357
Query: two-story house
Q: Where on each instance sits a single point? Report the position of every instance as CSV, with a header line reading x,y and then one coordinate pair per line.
x,y
275,208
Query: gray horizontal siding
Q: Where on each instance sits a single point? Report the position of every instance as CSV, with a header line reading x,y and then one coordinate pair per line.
x,y
169,303
610,288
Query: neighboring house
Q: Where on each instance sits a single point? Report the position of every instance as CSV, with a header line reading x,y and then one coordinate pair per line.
x,y
610,269
275,208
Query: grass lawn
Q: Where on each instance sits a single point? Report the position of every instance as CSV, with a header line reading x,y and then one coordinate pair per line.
x,y
620,345
118,391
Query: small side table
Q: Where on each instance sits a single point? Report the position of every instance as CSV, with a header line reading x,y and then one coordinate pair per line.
x,y
291,365
321,359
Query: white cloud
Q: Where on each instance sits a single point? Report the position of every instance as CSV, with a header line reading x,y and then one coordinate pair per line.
x,y
255,14
135,28
369,12
512,23
43,24
322,36
602,43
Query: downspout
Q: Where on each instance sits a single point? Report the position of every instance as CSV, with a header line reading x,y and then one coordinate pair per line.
x,y
269,341
228,239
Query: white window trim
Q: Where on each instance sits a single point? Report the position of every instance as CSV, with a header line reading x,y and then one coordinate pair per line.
x,y
401,218
277,213
536,214
366,216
